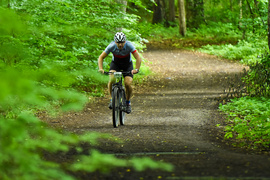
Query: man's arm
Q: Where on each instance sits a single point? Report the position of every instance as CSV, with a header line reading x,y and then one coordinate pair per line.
x,y
100,61
138,62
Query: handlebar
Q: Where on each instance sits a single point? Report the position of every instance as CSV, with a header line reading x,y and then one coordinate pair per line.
x,y
124,72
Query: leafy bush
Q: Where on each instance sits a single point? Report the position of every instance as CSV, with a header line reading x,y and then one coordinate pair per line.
x,y
248,120
217,32
245,51
157,32
212,33
258,78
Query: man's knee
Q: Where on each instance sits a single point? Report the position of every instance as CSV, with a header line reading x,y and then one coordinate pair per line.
x,y
128,82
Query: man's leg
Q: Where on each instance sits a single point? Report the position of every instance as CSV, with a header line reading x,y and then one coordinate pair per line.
x,y
128,82
111,81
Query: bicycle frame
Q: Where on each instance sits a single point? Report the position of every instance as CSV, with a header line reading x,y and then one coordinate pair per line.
x,y
118,98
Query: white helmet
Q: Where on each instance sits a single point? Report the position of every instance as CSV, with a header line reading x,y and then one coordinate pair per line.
x,y
119,37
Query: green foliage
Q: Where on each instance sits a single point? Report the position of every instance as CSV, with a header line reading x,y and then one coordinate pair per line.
x,y
157,31
140,164
67,36
245,51
216,31
20,140
258,78
98,161
48,55
252,29
213,33
222,11
107,162
248,121
22,93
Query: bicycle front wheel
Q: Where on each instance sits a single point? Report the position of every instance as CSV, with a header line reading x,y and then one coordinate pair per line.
x,y
116,106
123,105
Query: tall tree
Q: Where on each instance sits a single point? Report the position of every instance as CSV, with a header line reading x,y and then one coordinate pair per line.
x,y
195,13
252,15
240,13
199,12
182,18
158,14
171,10
168,11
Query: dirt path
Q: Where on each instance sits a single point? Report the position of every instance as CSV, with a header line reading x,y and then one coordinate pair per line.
x,y
174,120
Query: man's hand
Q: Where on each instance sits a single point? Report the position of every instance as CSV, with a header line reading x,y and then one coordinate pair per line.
x,y
134,71
101,71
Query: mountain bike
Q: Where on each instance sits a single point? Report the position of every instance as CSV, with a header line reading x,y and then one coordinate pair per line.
x,y
118,99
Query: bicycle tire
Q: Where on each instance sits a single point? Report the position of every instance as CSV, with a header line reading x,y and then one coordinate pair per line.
x,y
115,106
122,112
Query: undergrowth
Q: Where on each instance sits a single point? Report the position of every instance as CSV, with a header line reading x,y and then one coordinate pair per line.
x,y
245,51
248,120
213,33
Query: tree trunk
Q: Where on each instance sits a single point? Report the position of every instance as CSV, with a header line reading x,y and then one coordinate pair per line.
x,y
195,13
252,15
198,13
240,19
171,11
157,16
269,24
165,12
182,18
240,13
190,13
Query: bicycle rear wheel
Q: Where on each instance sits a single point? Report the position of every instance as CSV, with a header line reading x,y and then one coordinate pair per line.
x,y
123,105
116,106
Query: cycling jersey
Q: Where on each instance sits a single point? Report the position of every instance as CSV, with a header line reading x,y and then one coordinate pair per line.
x,y
121,56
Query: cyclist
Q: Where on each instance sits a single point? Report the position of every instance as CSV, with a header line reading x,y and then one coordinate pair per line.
x,y
121,61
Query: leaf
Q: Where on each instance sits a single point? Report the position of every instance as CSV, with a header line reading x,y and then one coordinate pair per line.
x,y
141,164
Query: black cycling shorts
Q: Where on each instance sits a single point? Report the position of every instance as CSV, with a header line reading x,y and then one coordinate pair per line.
x,y
122,67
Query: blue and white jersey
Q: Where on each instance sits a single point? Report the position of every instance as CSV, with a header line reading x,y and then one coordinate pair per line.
x,y
121,56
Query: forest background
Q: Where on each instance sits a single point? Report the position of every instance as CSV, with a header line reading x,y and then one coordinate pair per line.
x,y
48,63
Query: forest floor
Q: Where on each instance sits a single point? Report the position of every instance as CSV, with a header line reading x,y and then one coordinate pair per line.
x,y
174,117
